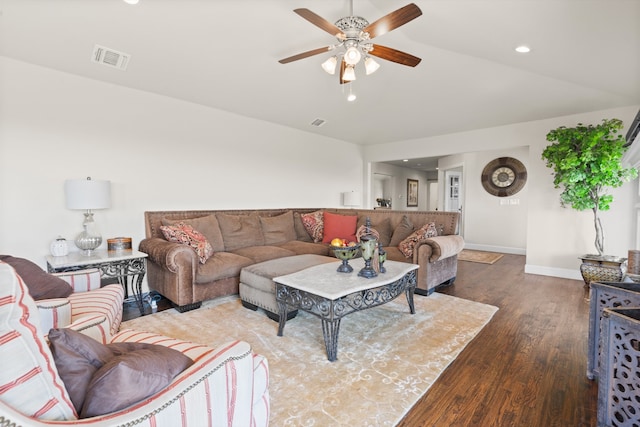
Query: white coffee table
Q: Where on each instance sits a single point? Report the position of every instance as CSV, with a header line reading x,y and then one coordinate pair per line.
x,y
322,291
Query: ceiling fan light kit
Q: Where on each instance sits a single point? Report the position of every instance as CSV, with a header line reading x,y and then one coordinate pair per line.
x,y
353,34
330,65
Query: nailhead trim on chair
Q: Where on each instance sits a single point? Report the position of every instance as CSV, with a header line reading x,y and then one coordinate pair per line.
x,y
185,391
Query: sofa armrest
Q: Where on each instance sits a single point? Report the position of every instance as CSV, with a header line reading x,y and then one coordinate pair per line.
x,y
168,255
54,313
231,380
441,247
82,280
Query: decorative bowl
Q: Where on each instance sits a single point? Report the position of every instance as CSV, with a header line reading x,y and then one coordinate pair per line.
x,y
345,253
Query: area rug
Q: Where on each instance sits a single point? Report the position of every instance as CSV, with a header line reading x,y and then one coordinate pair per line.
x,y
387,358
479,256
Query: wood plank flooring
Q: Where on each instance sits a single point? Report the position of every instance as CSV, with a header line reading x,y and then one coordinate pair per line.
x,y
528,365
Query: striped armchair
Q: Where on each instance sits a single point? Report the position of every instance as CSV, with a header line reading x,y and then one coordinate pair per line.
x,y
226,386
91,309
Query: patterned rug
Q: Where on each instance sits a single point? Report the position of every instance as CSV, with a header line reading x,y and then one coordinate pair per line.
x,y
479,256
387,358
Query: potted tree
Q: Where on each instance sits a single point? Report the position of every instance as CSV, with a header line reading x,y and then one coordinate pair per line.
x,y
586,162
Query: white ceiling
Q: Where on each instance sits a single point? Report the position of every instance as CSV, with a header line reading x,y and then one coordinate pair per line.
x,y
224,54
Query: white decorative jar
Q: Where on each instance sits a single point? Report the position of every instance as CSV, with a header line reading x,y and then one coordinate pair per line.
x,y
59,247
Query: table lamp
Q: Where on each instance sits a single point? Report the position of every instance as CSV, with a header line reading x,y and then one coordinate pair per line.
x,y
88,194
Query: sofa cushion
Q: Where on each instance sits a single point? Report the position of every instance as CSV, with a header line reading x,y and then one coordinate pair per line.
x,y
187,235
108,378
402,231
394,254
306,247
382,226
240,231
263,253
41,284
278,229
313,223
221,265
339,226
29,378
426,231
301,231
207,225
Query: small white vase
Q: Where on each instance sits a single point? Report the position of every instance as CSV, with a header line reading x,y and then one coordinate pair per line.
x,y
59,247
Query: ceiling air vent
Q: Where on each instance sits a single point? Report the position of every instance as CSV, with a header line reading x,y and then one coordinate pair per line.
x,y
109,57
318,122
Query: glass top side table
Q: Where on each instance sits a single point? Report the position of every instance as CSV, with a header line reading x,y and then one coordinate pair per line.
x,y
128,267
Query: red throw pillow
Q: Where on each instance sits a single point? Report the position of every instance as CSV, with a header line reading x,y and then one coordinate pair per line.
x,y
339,226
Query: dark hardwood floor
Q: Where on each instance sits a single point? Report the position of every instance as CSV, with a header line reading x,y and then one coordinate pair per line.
x,y
526,368
528,365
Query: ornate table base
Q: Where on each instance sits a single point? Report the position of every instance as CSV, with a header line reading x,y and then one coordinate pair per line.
x,y
126,267
331,311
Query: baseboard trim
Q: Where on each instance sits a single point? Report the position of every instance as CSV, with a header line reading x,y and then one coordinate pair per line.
x,y
564,273
501,249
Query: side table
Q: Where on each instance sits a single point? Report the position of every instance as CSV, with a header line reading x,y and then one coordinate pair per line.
x,y
128,267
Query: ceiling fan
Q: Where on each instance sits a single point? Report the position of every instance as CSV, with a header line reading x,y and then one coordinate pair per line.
x,y
354,35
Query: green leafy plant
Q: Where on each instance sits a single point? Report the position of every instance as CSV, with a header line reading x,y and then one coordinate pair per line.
x,y
586,161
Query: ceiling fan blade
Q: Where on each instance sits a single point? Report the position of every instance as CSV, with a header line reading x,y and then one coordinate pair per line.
x,y
393,20
394,55
305,55
343,66
319,21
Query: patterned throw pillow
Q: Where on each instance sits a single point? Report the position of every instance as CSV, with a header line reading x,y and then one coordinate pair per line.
x,y
408,245
314,224
187,235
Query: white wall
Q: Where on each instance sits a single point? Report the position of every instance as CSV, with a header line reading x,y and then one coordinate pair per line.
x,y
161,153
158,152
555,236
480,208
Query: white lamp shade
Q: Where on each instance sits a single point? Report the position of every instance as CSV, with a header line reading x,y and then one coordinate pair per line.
x,y
370,65
349,74
330,65
87,194
351,198
352,56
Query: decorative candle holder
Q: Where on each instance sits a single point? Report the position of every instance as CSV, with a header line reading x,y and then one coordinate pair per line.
x,y
382,256
368,243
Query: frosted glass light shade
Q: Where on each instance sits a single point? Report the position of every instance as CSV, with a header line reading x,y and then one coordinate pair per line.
x,y
330,65
352,56
370,65
87,194
349,74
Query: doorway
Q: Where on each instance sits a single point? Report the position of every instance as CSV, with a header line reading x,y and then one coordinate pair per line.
x,y
453,194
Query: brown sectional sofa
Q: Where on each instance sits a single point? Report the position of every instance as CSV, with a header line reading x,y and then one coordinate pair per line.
x,y
243,237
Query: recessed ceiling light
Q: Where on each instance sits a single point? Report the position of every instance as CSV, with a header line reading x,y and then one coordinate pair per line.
x,y
405,160
523,49
131,1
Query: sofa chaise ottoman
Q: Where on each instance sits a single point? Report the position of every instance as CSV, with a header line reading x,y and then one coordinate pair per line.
x,y
257,289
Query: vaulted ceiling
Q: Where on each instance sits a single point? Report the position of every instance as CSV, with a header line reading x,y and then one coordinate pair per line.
x,y
224,54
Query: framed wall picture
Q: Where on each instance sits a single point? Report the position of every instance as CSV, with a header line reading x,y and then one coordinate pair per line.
x,y
412,192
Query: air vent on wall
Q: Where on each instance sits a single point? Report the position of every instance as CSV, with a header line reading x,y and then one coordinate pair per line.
x,y
318,122
109,57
